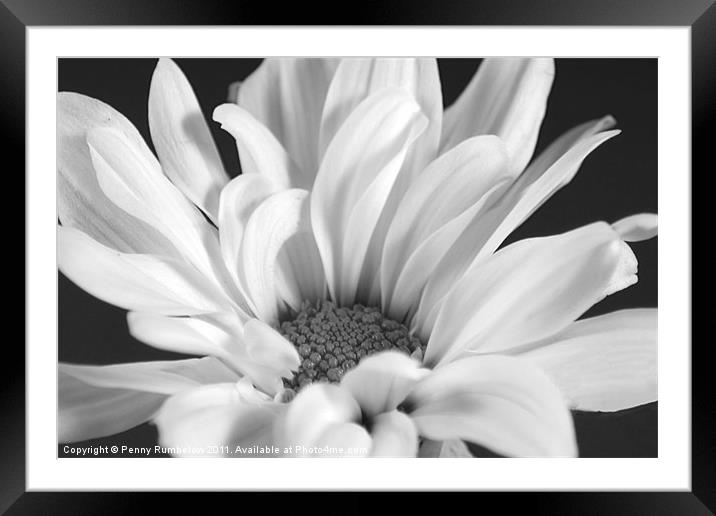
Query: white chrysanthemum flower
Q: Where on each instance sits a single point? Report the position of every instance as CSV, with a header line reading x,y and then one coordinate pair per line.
x,y
346,291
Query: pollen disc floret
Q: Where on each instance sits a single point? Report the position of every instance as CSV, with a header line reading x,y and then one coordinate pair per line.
x,y
332,340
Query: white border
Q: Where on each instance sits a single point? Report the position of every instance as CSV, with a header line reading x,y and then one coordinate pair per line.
x,y
670,471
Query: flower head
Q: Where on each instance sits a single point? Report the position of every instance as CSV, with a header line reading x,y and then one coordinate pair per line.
x,y
347,291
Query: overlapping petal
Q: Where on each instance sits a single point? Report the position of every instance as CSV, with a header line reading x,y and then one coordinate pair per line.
x,y
355,179
604,363
636,228
503,403
287,96
222,417
95,401
81,203
181,137
506,97
140,282
530,290
552,170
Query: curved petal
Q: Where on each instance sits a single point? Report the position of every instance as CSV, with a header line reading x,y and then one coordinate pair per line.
x,y
506,97
604,363
354,81
266,278
181,137
80,200
530,290
380,382
131,177
255,350
550,171
315,409
503,403
394,435
354,180
637,227
259,151
357,79
238,201
135,281
219,415
287,96
448,188
95,401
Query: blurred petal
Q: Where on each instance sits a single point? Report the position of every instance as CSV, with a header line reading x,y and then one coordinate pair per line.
x,y
135,281
550,171
287,96
503,403
95,401
528,291
316,408
380,382
343,440
604,363
450,189
278,219
265,345
259,150
450,448
506,97
354,180
182,139
80,201
218,415
637,227
394,435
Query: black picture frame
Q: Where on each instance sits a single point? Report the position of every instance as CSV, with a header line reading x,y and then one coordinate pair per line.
x,y
17,15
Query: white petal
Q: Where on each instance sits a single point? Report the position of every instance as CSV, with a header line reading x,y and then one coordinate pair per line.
x,y
277,220
380,382
267,346
287,96
394,435
354,181
506,97
255,350
131,177
238,201
87,412
551,171
136,281
452,186
95,401
315,409
354,81
637,227
182,139
527,291
357,79
216,415
604,363
343,440
80,201
503,403
259,150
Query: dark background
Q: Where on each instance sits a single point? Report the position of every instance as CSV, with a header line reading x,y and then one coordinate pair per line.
x,y
617,179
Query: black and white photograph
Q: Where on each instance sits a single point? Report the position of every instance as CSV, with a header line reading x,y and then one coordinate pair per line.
x,y
357,257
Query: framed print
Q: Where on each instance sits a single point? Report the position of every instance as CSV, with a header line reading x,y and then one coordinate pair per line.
x,y
390,243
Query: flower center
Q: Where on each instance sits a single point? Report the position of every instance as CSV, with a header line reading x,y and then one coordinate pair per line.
x,y
332,340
